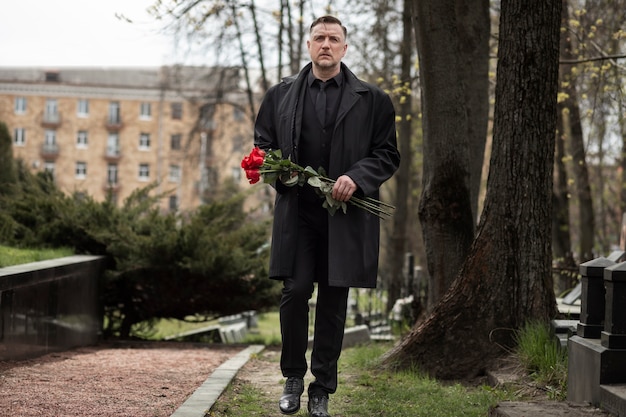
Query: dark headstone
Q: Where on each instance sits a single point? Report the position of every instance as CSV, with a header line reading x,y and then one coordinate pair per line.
x,y
614,334
592,297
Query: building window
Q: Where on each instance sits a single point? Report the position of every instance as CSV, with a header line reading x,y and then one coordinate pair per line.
x,y
177,111
238,142
49,167
19,136
114,113
145,111
173,203
236,172
144,172
82,108
81,139
238,114
112,174
113,145
52,76
175,173
20,105
81,170
207,117
144,141
51,114
175,142
50,137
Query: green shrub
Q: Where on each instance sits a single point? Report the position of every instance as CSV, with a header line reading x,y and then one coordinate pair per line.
x,y
209,262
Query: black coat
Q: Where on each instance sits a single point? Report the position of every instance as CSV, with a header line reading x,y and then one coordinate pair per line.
x,y
363,147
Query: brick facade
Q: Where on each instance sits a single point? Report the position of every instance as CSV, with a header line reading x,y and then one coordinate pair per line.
x,y
117,130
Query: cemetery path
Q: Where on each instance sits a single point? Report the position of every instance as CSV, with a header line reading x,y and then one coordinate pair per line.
x,y
262,373
154,379
109,380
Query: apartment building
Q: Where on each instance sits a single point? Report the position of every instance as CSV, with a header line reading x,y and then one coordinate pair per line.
x,y
111,131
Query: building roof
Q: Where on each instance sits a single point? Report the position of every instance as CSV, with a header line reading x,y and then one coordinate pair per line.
x,y
182,78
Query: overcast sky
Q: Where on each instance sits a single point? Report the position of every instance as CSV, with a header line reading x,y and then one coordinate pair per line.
x,y
61,33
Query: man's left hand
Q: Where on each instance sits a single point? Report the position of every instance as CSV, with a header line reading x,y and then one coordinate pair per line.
x,y
344,188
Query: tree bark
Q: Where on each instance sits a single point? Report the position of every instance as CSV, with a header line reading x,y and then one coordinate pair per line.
x,y
445,210
563,256
586,221
506,279
402,180
473,32
567,269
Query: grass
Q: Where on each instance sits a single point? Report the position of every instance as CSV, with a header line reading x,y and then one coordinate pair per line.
x,y
543,358
268,331
366,390
372,392
163,328
13,256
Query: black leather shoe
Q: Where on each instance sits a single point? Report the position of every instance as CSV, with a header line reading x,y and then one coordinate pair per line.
x,y
318,406
290,400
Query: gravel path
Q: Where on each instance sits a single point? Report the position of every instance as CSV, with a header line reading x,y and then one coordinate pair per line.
x,y
109,380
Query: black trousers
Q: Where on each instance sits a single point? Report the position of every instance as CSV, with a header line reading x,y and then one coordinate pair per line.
x,y
330,311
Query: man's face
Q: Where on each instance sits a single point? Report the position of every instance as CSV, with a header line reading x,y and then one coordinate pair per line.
x,y
327,45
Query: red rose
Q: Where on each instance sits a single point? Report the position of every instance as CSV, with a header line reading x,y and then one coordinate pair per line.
x,y
257,157
253,175
254,160
245,162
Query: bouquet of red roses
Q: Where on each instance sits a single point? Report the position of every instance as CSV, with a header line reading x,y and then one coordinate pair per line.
x,y
271,167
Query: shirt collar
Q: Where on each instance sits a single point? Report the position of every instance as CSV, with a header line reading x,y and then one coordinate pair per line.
x,y
338,78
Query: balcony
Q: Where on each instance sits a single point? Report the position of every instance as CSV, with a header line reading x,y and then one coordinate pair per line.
x,y
111,187
113,124
49,151
112,155
50,120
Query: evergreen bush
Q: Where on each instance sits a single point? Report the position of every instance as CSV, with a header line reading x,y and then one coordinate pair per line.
x,y
208,262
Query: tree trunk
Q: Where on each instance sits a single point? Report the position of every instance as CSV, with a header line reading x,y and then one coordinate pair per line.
x,y
622,165
257,34
244,61
8,174
566,267
567,270
445,210
402,180
473,32
506,278
586,223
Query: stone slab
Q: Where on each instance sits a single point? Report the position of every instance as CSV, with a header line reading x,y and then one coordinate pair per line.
x,y
544,409
203,398
590,365
352,336
613,398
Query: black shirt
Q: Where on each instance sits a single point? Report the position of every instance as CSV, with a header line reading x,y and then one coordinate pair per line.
x,y
333,93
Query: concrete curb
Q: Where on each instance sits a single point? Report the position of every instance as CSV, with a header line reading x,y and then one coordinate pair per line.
x,y
203,398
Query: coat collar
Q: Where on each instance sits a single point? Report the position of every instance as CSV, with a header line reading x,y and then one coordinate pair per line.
x,y
351,80
351,93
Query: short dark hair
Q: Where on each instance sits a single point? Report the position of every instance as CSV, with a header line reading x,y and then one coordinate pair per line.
x,y
329,19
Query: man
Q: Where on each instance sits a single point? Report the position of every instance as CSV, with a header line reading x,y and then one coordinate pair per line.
x,y
352,136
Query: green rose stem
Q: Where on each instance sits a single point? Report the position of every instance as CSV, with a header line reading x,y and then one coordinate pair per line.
x,y
275,168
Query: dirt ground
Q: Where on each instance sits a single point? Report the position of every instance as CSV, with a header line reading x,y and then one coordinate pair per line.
x,y
120,380
154,379
537,402
263,373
